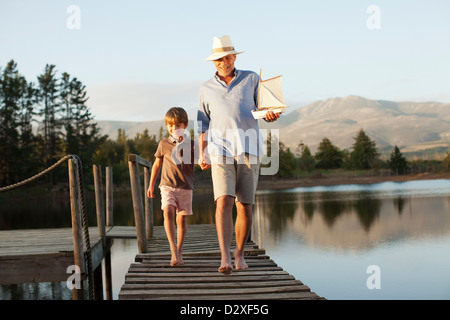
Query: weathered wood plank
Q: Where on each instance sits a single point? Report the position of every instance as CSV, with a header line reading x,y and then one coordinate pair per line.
x,y
197,264
217,285
212,290
211,279
192,270
174,274
297,295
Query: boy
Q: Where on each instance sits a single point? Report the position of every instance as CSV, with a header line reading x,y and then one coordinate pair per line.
x,y
176,157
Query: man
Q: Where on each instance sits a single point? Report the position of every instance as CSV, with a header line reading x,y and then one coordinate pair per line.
x,y
231,136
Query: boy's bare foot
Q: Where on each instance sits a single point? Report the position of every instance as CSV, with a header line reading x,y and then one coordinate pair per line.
x,y
225,269
225,265
176,261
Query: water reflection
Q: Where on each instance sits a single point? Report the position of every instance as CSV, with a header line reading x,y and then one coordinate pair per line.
x,y
356,217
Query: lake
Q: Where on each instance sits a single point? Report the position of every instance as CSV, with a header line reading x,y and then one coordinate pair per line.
x,y
329,236
378,241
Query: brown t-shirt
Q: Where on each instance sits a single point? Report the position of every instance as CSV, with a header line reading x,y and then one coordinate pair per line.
x,y
177,163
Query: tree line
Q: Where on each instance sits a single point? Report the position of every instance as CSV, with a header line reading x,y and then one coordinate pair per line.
x,y
55,104
363,155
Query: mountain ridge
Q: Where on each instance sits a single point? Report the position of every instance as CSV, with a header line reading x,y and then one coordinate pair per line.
x,y
412,126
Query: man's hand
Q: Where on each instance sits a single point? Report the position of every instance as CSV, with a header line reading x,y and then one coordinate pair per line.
x,y
150,193
272,116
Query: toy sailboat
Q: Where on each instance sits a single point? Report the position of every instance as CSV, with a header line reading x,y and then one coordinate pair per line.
x,y
270,97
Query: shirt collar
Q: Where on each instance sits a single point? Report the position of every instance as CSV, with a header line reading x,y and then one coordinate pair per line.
x,y
172,140
236,72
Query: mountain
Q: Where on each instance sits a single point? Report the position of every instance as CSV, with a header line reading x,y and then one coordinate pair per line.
x,y
131,127
110,127
412,126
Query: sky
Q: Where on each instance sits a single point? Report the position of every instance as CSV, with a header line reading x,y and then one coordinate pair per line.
x,y
139,58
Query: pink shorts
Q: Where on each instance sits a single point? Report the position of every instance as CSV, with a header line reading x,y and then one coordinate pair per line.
x,y
181,199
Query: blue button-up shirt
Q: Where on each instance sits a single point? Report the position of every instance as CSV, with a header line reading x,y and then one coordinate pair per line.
x,y
224,112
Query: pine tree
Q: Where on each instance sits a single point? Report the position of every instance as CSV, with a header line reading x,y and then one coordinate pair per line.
x,y
328,156
287,161
364,152
145,145
306,159
48,95
78,121
397,162
10,94
446,162
82,136
28,157
66,94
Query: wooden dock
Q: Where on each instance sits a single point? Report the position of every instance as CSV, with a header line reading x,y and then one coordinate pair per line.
x,y
151,277
42,255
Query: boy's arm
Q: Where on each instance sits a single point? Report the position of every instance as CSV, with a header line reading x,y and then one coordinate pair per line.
x,y
203,157
156,167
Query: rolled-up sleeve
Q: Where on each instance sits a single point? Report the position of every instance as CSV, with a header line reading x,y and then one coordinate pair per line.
x,y
203,114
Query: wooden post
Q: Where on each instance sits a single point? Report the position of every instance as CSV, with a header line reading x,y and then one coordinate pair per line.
x,y
98,283
148,204
109,196
99,202
108,276
137,205
75,208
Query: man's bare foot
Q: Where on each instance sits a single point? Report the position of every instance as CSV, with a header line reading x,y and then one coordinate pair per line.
x,y
239,263
180,260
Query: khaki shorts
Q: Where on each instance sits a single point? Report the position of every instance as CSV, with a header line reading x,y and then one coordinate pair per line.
x,y
181,199
236,177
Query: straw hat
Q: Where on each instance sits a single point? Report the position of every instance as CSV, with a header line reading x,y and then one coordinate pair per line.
x,y
222,47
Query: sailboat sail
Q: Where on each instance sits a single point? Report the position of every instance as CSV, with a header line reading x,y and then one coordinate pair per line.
x,y
271,94
270,97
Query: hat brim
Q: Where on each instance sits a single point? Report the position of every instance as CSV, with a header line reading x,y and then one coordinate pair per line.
x,y
218,55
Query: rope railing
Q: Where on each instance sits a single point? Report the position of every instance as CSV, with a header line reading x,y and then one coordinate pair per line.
x,y
87,243
37,176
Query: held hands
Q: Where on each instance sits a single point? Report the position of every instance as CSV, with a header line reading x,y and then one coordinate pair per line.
x,y
204,162
272,116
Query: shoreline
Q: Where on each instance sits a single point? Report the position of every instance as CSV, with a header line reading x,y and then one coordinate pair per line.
x,y
279,184
264,183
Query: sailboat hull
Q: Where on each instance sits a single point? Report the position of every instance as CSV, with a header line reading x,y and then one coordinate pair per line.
x,y
259,114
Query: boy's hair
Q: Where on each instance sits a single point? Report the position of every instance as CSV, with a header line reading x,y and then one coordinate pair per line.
x,y
176,115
